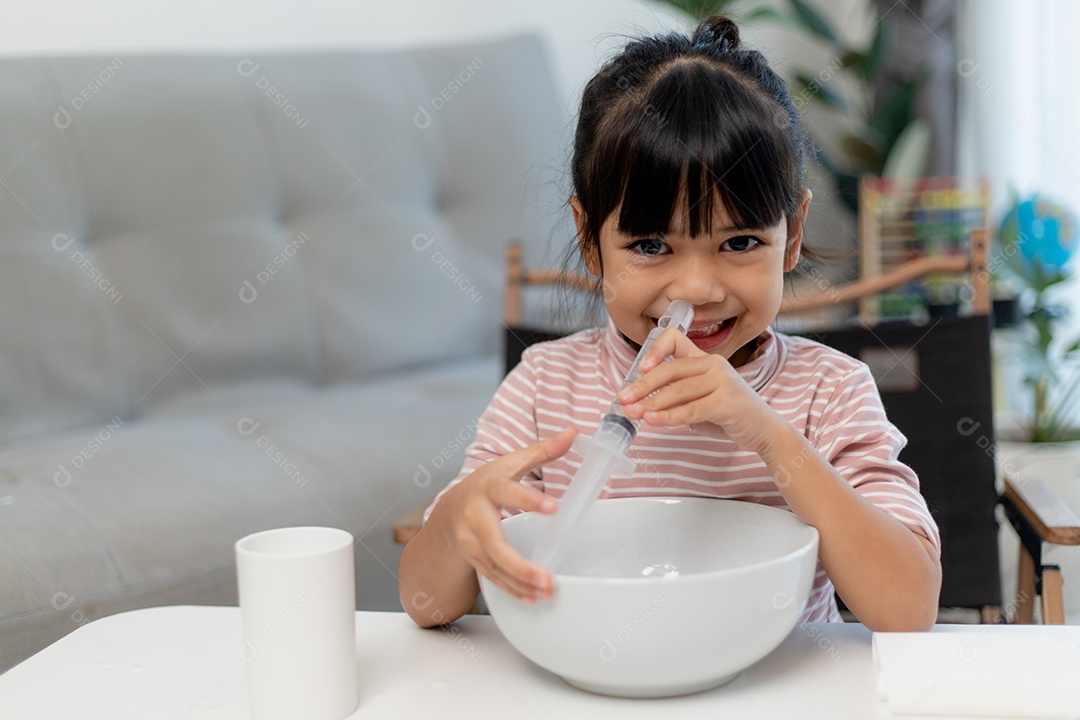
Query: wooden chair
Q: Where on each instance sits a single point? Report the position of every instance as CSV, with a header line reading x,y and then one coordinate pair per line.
x,y
931,377
1039,515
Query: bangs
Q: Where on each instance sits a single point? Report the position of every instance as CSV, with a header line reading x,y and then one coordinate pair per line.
x,y
694,137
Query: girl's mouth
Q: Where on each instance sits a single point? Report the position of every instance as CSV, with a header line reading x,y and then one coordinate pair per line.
x,y
711,335
708,335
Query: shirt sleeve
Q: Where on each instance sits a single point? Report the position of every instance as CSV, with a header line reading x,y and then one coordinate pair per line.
x,y
857,439
508,424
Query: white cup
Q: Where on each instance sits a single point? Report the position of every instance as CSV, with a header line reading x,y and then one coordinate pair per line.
x,y
298,604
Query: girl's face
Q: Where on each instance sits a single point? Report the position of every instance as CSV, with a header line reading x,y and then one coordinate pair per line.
x,y
734,277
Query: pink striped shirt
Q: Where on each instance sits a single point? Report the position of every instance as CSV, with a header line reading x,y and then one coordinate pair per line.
x,y
829,396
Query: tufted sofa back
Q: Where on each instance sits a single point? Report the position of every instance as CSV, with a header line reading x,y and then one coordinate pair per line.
x,y
175,229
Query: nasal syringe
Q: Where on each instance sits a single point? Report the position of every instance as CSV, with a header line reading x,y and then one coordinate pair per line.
x,y
603,455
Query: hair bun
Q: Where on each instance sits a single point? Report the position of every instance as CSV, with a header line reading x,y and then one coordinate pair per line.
x,y
718,30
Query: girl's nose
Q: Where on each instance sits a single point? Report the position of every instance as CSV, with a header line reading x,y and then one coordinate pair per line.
x,y
696,282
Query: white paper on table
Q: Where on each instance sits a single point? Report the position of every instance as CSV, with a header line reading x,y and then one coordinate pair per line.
x,y
982,673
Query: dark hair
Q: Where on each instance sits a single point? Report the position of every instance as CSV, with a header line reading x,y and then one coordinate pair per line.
x,y
700,116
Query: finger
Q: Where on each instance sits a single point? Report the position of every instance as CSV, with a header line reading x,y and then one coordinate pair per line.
x,y
508,584
519,462
687,414
649,383
512,565
477,546
674,394
662,346
505,565
512,590
663,375
523,497
671,343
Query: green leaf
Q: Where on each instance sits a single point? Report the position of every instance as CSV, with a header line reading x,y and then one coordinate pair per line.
x,y
770,14
800,87
866,153
847,184
894,112
852,59
813,22
1054,277
879,47
1055,429
820,91
909,154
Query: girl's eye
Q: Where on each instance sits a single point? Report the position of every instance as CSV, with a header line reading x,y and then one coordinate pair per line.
x,y
649,247
742,243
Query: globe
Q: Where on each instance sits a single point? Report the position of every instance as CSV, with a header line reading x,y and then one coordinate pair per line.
x,y
1044,231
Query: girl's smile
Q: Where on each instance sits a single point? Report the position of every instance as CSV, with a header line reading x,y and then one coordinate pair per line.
x,y
709,334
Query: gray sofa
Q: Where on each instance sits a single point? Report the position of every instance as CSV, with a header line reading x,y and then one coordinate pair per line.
x,y
248,291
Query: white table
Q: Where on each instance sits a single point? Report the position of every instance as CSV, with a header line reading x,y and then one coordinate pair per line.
x,y
183,663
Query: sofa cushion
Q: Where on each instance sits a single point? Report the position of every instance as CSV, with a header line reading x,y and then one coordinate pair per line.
x,y
60,361
410,171
229,219
186,324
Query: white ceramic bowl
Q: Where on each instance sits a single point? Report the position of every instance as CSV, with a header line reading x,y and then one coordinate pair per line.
x,y
664,596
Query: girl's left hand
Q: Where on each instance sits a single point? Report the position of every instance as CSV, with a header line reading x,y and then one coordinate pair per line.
x,y
701,390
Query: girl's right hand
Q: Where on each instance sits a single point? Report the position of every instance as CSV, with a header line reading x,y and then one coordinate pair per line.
x,y
473,510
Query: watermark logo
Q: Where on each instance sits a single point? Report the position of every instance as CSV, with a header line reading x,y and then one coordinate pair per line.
x,y
813,87
422,242
422,477
249,648
422,119
608,650
785,601
62,601
638,97
968,68
247,426
248,291
62,478
62,118
968,427
247,68
62,243
422,601
611,284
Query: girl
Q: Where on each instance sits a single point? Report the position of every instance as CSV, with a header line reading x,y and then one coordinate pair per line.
x,y
687,171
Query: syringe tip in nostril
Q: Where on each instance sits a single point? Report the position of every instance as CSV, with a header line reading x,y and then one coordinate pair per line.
x,y
679,313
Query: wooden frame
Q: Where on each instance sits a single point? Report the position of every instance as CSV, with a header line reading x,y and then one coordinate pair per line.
x,y
409,524
888,229
517,278
975,266
1039,515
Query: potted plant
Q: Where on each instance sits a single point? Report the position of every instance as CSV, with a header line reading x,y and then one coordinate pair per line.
x,y
941,296
1037,239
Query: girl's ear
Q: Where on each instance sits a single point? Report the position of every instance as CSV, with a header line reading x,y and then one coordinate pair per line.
x,y
589,254
794,247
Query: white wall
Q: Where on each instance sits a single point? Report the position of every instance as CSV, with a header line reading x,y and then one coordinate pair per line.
x,y
579,32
